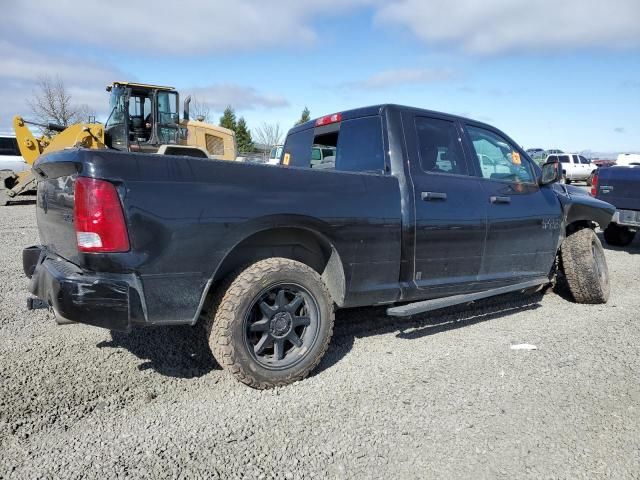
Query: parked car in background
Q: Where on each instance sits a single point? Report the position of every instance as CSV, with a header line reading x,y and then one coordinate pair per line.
x,y
10,158
323,157
625,159
380,205
553,151
620,186
275,155
537,155
532,152
574,167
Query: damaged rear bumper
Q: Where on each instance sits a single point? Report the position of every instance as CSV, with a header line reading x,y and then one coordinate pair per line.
x,y
106,300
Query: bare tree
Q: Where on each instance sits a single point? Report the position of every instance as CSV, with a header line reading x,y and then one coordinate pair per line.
x,y
267,135
52,103
200,110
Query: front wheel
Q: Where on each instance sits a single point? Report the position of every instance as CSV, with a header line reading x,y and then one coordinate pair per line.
x,y
273,324
585,267
618,236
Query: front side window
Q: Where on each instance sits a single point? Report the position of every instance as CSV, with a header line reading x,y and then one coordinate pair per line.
x,y
439,147
584,161
499,160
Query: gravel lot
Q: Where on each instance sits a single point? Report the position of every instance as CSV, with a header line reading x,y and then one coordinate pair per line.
x,y
440,396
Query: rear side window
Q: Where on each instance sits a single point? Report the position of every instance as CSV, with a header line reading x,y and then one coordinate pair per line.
x,y
564,159
297,149
9,146
439,148
352,146
499,160
360,146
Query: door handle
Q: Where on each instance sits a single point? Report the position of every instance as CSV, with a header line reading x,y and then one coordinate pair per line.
x,y
427,196
495,199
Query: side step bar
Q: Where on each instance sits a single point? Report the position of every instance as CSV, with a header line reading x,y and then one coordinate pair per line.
x,y
438,303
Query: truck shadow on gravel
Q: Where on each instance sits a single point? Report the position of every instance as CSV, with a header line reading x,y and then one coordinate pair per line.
x,y
365,322
183,351
179,351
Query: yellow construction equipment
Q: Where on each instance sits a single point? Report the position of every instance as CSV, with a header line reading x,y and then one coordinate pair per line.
x,y
143,118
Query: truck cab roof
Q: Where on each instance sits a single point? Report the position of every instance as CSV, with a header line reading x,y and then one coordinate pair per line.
x,y
377,110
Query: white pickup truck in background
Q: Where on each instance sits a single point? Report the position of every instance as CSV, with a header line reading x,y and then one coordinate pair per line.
x,y
575,167
10,158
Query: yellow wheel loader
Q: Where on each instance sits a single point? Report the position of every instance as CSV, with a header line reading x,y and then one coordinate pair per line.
x,y
143,118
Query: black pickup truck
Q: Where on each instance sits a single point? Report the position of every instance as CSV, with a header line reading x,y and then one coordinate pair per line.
x,y
416,210
620,186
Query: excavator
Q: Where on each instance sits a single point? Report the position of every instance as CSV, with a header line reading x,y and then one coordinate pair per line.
x,y
143,118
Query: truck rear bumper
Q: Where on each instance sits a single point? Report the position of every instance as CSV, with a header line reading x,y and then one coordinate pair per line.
x,y
627,218
112,301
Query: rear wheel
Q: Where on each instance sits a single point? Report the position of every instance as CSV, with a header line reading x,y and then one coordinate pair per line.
x,y
273,324
618,236
590,178
585,267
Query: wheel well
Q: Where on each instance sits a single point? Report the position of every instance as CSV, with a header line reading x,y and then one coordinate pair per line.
x,y
299,244
578,225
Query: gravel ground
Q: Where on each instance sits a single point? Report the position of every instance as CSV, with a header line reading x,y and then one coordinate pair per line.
x,y
439,396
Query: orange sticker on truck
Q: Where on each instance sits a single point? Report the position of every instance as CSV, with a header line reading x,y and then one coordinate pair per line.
x,y
285,160
515,156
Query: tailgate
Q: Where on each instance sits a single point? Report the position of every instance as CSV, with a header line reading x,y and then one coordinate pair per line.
x,y
54,210
620,186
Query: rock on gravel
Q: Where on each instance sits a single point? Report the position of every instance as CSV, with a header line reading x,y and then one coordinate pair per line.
x,y
438,396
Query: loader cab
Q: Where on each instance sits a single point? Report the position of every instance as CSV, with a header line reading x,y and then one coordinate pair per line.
x,y
142,117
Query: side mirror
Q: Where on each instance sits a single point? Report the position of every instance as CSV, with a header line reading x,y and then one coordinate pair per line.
x,y
551,173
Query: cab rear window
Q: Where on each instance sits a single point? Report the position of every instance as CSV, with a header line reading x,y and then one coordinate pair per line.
x,y
351,145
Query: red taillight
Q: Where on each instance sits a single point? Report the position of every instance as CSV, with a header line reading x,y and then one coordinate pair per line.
x,y
328,119
98,217
594,185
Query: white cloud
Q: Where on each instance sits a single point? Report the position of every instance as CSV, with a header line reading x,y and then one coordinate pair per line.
x,y
239,97
495,26
86,79
20,69
403,77
187,28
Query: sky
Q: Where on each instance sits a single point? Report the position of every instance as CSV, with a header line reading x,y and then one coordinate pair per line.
x,y
550,73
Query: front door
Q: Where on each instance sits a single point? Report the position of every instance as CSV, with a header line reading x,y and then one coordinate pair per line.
x,y
450,214
523,219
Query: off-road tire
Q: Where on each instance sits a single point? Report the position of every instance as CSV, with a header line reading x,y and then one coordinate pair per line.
x,y
618,236
585,267
235,299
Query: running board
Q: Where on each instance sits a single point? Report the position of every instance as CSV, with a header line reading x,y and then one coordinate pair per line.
x,y
438,303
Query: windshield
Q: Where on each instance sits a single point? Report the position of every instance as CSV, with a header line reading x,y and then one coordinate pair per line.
x,y
116,107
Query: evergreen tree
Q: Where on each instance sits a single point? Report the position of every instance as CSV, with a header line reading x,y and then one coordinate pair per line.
x,y
243,137
228,119
305,117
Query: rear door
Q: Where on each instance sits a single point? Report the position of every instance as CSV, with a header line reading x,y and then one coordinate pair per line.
x,y
585,166
450,214
523,219
567,166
